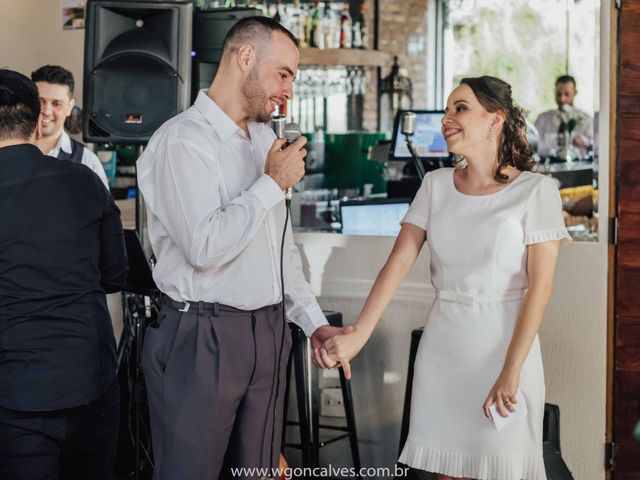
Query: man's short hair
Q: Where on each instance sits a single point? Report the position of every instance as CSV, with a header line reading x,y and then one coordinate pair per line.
x,y
56,75
566,79
254,31
19,106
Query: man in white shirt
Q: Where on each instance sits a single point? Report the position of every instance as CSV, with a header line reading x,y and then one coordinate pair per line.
x,y
548,123
213,179
55,87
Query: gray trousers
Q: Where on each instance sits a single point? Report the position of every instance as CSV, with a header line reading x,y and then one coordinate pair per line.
x,y
210,374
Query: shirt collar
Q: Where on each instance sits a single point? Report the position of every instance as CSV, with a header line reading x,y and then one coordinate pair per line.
x,y
20,151
64,144
219,120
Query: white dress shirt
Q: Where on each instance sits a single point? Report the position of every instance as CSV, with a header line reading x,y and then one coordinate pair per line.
x,y
216,219
89,158
548,123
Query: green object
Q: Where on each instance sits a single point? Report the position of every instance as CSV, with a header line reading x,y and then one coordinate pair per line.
x,y
346,164
316,19
127,154
636,432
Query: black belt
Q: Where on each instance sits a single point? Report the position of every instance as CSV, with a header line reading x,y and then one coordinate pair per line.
x,y
216,307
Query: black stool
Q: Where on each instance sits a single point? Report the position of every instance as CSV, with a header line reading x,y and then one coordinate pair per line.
x,y
308,402
416,335
555,466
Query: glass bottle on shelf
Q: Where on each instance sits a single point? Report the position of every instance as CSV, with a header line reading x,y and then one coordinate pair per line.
x,y
328,27
270,9
276,14
562,140
345,27
303,26
284,15
308,21
313,20
294,26
317,26
359,28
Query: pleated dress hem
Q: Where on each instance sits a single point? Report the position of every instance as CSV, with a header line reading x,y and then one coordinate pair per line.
x,y
472,465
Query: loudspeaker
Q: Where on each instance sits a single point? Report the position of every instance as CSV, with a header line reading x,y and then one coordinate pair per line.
x,y
210,28
137,66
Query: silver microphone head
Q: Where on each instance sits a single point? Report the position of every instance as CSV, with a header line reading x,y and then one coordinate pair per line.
x,y
291,132
278,123
408,126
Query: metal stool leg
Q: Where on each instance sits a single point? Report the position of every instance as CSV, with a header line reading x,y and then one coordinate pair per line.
x,y
302,366
416,335
308,402
351,420
314,401
287,392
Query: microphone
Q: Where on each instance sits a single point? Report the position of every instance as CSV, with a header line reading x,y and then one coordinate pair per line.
x,y
408,128
289,131
408,123
277,123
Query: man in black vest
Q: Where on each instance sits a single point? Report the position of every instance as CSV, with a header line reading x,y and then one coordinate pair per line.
x,y
55,88
62,249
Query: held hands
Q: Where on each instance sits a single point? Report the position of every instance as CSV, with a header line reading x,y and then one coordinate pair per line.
x,y
285,164
322,335
342,348
503,393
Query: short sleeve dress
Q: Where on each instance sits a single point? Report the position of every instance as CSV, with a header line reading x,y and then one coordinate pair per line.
x,y
478,246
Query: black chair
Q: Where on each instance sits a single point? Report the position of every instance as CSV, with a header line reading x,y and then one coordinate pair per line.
x,y
554,465
308,403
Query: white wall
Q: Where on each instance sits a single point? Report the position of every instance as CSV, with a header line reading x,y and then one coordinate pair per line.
x,y
341,270
31,35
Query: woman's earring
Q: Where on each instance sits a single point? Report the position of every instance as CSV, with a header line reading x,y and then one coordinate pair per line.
x,y
491,135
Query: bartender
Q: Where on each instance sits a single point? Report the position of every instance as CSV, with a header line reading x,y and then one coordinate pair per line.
x,y
549,123
55,87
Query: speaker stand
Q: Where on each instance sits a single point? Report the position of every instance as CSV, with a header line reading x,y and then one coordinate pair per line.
x,y
138,313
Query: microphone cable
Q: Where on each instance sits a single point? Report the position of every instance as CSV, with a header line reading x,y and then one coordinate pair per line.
x,y
281,348
289,131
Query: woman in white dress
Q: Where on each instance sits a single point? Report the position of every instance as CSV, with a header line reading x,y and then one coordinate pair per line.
x,y
493,229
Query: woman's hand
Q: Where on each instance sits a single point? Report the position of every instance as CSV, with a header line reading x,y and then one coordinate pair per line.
x,y
342,348
503,393
320,358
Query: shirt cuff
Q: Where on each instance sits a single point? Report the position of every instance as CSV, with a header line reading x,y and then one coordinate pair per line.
x,y
267,191
310,319
540,236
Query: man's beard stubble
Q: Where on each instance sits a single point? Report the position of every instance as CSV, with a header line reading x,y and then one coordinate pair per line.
x,y
257,98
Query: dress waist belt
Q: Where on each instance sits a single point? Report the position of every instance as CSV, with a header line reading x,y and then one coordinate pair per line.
x,y
470,299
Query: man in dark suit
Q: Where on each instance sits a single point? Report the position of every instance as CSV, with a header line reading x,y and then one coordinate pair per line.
x,y
61,250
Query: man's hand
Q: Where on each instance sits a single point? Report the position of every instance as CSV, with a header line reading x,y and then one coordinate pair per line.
x,y
285,164
581,141
323,334
342,348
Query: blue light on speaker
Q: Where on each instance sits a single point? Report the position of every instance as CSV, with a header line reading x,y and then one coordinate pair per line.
x,y
193,53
